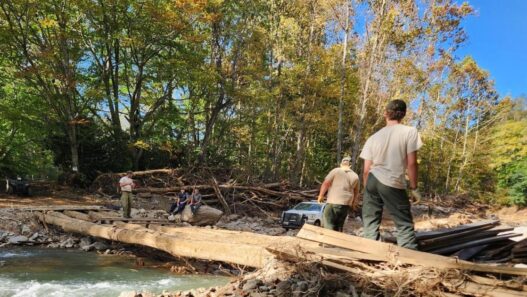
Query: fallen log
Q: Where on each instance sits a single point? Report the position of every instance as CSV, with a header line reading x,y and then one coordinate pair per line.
x,y
236,253
220,196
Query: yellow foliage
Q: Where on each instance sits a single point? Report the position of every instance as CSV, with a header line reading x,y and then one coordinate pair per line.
x,y
141,145
48,23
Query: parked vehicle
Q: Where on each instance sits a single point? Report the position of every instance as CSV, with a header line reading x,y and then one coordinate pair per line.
x,y
304,212
18,186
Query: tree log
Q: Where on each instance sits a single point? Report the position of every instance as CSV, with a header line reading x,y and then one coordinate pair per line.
x,y
229,252
220,196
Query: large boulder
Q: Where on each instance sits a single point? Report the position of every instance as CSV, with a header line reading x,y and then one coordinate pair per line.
x,y
205,215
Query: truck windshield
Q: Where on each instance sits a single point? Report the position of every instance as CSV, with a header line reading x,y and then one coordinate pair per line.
x,y
308,206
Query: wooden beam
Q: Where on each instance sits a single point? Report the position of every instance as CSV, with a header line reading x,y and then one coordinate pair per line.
x,y
461,228
58,208
121,219
77,215
462,234
456,247
395,254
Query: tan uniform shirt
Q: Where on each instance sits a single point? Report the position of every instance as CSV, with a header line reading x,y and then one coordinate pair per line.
x,y
126,180
388,150
342,184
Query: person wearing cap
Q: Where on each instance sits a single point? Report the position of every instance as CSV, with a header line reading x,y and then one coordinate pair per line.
x,y
388,155
127,184
342,187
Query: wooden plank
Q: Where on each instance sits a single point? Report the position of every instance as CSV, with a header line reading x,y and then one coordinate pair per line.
x,y
97,215
121,219
77,215
463,234
456,241
59,207
493,252
446,231
469,253
396,254
456,247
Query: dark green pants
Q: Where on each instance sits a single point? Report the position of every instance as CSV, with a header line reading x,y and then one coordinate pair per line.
x,y
377,196
335,216
126,202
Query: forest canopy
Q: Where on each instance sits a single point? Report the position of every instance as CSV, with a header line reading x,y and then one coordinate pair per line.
x,y
271,89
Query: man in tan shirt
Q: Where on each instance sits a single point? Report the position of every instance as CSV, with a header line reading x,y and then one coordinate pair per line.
x,y
343,185
388,155
127,184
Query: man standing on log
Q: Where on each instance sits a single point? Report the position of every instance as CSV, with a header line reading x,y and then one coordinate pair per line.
x,y
343,185
387,155
127,184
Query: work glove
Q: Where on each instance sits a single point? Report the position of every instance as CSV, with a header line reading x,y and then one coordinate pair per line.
x,y
415,196
320,199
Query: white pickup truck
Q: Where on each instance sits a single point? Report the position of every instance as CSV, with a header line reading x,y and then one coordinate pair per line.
x,y
304,212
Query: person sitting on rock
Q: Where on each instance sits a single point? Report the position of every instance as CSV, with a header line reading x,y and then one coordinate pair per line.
x,y
195,201
181,202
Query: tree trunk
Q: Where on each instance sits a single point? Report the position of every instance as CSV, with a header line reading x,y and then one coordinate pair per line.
x,y
340,131
74,146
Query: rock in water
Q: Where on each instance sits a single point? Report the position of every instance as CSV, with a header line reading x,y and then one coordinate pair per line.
x,y
99,246
17,239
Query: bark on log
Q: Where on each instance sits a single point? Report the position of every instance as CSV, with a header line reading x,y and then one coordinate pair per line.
x,y
237,253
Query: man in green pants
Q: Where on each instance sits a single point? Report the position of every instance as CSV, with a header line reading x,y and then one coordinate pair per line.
x,y
343,185
388,154
127,184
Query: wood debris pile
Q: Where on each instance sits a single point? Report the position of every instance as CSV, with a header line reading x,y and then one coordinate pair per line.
x,y
227,194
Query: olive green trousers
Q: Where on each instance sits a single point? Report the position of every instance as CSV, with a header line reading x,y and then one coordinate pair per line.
x,y
334,216
396,202
126,203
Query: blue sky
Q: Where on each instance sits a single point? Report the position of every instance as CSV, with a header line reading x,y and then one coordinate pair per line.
x,y
497,39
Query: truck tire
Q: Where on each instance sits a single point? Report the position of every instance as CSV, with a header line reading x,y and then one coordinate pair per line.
x,y
317,223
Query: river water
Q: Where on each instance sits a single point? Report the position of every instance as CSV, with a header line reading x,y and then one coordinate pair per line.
x,y
28,272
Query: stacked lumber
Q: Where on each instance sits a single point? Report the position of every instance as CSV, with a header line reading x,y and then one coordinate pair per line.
x,y
486,242
380,262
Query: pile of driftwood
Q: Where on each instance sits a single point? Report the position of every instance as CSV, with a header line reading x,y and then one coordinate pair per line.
x,y
485,242
228,194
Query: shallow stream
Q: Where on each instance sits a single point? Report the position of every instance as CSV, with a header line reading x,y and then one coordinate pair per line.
x,y
51,272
